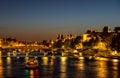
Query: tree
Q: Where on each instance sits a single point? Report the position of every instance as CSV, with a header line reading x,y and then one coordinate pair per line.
x,y
45,43
116,42
67,43
76,41
58,44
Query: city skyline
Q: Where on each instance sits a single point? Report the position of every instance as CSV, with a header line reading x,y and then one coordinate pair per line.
x,y
39,20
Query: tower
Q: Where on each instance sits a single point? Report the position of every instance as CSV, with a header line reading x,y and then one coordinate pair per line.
x,y
60,37
106,29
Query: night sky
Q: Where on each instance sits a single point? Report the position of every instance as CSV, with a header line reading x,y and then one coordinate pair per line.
x,y
36,20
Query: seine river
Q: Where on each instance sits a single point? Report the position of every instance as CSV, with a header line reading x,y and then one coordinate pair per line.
x,y
60,67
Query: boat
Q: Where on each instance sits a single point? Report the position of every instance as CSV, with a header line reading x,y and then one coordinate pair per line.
x,y
31,63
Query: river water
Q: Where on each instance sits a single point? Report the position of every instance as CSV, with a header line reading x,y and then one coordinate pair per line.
x,y
60,67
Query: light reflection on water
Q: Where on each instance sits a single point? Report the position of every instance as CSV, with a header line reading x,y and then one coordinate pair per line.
x,y
31,73
60,67
80,65
1,68
115,63
101,69
8,59
108,69
8,66
63,67
45,60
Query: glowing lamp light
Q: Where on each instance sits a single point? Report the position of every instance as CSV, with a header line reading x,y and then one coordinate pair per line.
x,y
75,51
81,58
27,72
115,60
31,72
63,59
37,72
115,52
63,46
8,60
45,60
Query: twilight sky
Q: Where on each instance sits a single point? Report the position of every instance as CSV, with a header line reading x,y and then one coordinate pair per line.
x,y
36,20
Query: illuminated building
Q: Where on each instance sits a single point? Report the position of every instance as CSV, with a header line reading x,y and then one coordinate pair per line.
x,y
86,37
100,46
117,29
79,46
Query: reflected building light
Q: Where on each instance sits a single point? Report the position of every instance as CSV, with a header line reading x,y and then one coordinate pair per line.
x,y
115,53
81,57
63,59
37,72
80,65
8,60
63,63
102,59
1,67
63,75
102,70
75,51
51,61
115,64
8,54
63,67
63,47
0,57
45,60
115,74
115,67
0,54
80,54
115,60
90,57
0,61
53,57
26,72
32,74
14,53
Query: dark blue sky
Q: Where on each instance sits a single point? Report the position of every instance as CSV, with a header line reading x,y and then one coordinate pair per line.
x,y
43,19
